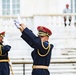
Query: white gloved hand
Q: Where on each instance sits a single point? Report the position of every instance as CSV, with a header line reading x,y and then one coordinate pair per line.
x,y
17,24
18,21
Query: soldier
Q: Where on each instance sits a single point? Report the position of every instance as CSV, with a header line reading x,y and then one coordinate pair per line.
x,y
41,54
4,60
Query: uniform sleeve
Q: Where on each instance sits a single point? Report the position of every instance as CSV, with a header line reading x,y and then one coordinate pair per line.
x,y
6,48
31,38
26,39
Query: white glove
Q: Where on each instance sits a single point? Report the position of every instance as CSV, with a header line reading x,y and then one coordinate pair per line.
x,y
18,21
17,24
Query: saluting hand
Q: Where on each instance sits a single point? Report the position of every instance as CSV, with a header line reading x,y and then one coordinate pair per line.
x,y
17,24
18,21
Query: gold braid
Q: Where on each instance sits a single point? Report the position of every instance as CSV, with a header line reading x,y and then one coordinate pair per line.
x,y
45,49
0,50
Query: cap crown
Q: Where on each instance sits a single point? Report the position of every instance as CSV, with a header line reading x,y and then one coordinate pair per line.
x,y
2,34
44,30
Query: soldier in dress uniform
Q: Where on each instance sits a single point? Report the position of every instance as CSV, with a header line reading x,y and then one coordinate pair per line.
x,y
4,60
41,54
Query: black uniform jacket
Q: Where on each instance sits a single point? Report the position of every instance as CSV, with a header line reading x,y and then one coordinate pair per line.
x,y
35,42
4,51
